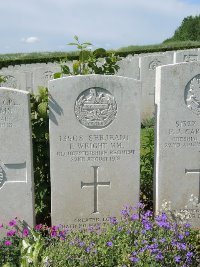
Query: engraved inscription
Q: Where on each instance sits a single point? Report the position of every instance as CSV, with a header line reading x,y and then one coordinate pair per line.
x,y
95,148
10,111
192,94
153,64
95,108
95,184
189,58
184,134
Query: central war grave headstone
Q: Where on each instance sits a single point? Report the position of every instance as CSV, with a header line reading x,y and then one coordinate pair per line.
x,y
177,174
16,170
94,148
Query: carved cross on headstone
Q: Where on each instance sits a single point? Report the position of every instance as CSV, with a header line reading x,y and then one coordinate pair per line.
x,y
95,184
12,173
190,171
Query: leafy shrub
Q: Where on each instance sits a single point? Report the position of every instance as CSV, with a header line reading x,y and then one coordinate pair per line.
x,y
147,163
41,160
89,62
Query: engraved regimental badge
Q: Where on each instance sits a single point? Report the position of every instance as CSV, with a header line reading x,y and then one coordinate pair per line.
x,y
153,64
95,108
192,94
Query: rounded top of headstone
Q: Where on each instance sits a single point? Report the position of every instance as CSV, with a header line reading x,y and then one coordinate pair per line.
x,y
95,108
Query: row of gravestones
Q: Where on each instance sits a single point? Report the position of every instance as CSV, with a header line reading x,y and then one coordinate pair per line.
x,y
140,67
95,147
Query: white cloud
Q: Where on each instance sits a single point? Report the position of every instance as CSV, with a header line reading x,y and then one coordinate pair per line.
x,y
30,40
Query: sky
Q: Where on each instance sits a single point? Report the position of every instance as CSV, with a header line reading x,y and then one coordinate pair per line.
x,y
49,25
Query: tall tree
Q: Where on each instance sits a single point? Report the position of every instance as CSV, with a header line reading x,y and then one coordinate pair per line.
x,y
189,30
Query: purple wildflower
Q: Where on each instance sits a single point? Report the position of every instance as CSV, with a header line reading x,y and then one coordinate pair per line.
x,y
187,225
88,249
135,217
7,243
159,256
177,258
53,233
189,254
12,222
109,243
82,244
11,233
148,214
113,220
181,246
187,233
54,228
38,227
148,226
124,213
25,232
181,236
162,240
134,259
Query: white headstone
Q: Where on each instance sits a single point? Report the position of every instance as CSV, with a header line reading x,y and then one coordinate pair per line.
x,y
129,67
94,148
16,171
177,174
42,75
148,66
189,55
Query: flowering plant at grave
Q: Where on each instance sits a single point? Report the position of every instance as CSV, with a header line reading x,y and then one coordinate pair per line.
x,y
137,240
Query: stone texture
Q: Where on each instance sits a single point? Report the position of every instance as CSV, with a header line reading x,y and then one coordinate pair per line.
x,y
94,148
16,171
148,66
178,138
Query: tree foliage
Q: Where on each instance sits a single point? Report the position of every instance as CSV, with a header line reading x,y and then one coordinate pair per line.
x,y
189,30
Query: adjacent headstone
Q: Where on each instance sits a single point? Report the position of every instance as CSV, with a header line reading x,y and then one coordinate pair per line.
x,y
189,55
42,75
129,67
178,139
94,148
14,79
16,171
148,66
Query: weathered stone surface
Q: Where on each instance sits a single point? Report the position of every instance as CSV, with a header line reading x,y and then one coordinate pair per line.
x,y
16,171
148,66
178,138
94,148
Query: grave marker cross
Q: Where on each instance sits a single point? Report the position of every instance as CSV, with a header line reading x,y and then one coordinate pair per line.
x,y
95,184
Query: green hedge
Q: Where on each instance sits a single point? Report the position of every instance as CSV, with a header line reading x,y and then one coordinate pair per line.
x,y
133,50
